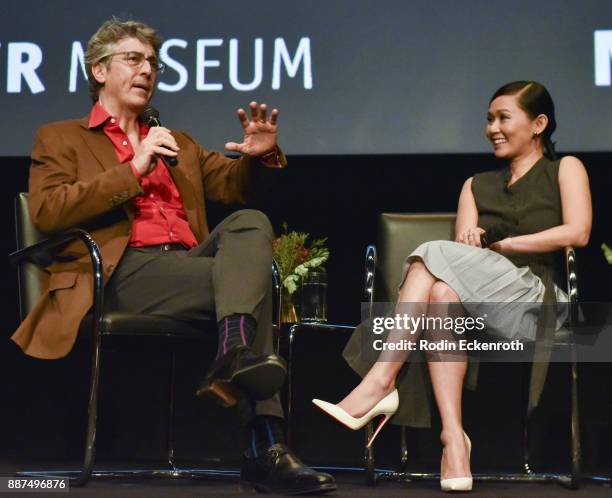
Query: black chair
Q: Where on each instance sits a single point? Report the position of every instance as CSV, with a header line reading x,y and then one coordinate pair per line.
x,y
33,253
398,235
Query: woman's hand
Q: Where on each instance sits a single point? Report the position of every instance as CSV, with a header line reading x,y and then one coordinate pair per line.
x,y
470,236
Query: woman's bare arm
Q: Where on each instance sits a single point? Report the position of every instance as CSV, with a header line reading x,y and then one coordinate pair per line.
x,y
577,215
466,226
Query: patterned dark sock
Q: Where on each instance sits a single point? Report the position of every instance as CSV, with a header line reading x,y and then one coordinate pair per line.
x,y
265,430
235,330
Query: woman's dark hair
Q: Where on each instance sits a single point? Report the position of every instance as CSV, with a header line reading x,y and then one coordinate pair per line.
x,y
534,99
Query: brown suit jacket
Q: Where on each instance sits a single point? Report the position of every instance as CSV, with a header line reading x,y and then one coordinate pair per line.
x,y
76,181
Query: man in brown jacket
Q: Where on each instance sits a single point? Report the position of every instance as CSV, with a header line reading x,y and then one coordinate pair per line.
x,y
108,173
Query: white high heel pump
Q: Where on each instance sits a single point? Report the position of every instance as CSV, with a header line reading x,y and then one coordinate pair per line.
x,y
386,407
459,483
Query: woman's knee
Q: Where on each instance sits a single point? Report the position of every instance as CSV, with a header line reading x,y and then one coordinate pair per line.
x,y
441,292
417,266
417,271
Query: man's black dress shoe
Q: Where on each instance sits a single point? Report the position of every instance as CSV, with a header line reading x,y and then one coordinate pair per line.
x,y
243,374
278,470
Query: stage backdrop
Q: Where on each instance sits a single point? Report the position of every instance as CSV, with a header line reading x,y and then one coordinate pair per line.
x,y
350,77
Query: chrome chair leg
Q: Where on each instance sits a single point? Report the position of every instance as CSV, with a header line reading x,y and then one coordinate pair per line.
x,y
370,475
526,419
170,439
575,422
92,411
404,449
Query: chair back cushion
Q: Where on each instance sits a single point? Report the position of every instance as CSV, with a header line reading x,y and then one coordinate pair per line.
x,y
398,235
30,275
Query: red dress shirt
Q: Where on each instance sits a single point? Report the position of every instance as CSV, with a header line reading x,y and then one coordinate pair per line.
x,y
159,216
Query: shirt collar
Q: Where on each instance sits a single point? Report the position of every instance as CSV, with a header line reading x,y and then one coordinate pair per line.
x,y
98,115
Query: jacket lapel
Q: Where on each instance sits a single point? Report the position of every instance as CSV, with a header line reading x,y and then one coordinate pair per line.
x,y
102,149
99,145
188,196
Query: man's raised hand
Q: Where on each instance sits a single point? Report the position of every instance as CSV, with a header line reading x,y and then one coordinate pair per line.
x,y
260,131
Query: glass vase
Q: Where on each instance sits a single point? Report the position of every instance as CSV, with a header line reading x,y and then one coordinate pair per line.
x,y
288,312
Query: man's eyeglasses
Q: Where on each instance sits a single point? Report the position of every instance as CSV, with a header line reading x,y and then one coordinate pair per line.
x,y
137,59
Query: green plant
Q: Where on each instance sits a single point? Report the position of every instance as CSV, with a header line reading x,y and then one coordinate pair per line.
x,y
295,258
607,252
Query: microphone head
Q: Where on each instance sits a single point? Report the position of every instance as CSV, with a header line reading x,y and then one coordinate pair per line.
x,y
150,116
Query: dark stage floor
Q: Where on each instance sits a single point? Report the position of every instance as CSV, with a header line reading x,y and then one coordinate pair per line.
x,y
350,485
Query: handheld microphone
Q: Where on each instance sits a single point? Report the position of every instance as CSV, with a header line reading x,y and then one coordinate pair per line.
x,y
150,116
497,232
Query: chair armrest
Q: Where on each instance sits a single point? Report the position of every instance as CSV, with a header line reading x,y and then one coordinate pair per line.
x,y
29,253
276,293
371,260
276,276
572,283
572,275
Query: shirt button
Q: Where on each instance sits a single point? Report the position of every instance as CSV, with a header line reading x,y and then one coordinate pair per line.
x,y
151,196
112,120
171,234
124,142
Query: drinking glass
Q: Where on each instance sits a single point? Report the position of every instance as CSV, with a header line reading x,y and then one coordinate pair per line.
x,y
313,297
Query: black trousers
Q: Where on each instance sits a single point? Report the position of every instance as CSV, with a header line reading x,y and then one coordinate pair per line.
x,y
229,272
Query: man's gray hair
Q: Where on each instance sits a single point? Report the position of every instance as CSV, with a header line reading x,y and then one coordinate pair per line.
x,y
101,44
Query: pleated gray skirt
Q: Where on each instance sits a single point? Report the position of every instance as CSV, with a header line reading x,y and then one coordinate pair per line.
x,y
488,284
